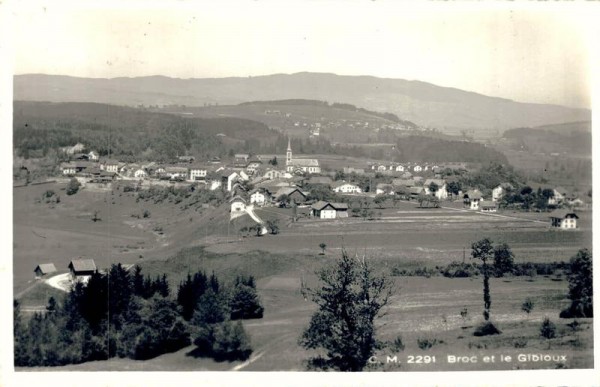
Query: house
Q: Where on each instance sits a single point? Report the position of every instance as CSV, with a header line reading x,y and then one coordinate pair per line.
x,y
385,189
499,192
176,173
140,174
293,193
400,168
487,206
198,172
111,166
68,169
254,164
441,192
238,204
300,165
228,178
560,194
403,182
93,156
472,198
344,187
417,168
415,191
259,196
44,269
564,219
327,210
82,269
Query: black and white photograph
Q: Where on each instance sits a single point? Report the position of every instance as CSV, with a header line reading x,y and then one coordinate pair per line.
x,y
362,189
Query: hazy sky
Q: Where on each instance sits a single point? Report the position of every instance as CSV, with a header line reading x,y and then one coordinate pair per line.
x,y
534,54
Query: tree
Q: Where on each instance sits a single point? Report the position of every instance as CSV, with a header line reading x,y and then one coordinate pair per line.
x,y
580,277
433,188
527,305
322,245
73,186
245,302
453,188
349,300
503,259
483,250
273,161
284,200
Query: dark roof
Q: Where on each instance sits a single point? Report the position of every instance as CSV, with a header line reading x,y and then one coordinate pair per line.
x,y
82,265
323,204
561,214
46,268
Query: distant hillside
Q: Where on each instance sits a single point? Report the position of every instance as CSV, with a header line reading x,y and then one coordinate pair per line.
x,y
301,118
573,138
425,104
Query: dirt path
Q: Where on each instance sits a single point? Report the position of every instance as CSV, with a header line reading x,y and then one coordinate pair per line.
x,y
496,215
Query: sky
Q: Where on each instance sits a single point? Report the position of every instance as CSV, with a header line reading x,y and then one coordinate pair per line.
x,y
529,54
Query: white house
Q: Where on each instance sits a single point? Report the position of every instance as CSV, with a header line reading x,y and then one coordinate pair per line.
x,y
140,174
198,173
259,197
385,189
563,219
501,190
238,204
417,168
441,192
343,187
176,172
400,168
327,210
472,199
560,194
68,169
93,156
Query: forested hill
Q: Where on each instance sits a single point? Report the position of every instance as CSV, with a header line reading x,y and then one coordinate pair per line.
x,y
574,138
136,134
427,105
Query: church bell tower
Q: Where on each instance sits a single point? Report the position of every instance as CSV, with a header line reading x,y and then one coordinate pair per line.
x,y
288,155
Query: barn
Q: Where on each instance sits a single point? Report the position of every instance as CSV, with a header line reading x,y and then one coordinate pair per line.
x,y
43,269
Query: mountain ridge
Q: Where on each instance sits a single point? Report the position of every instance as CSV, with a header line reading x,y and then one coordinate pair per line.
x,y
446,108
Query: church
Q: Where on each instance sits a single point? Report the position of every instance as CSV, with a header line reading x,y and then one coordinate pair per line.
x,y
300,165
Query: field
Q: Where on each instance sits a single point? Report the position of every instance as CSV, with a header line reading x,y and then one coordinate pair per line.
x,y
403,236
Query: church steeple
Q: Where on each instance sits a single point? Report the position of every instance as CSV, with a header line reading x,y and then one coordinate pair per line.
x,y
288,155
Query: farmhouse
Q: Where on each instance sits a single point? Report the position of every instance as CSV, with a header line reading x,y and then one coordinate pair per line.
x,y
253,164
198,172
140,174
300,165
176,172
111,166
238,204
384,189
559,195
93,156
343,187
487,206
82,269
440,193
259,196
564,219
499,192
472,199
293,193
327,210
417,168
44,269
68,169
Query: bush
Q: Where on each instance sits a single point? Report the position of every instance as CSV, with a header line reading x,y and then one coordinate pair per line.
x,y
397,345
460,270
426,343
486,329
521,342
548,329
146,214
527,305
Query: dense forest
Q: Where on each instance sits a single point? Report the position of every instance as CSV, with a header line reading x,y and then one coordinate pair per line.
x,y
136,317
433,150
